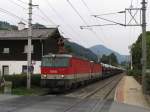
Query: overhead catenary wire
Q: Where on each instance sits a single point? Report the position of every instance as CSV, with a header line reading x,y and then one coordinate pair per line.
x,y
76,12
90,12
63,20
120,12
40,16
47,18
42,12
97,25
43,18
109,20
12,1
72,6
57,14
12,14
85,4
23,2
50,20
112,13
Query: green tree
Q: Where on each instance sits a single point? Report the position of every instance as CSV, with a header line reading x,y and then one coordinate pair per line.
x,y
38,26
125,64
68,48
14,27
137,52
105,59
6,26
110,59
137,56
113,59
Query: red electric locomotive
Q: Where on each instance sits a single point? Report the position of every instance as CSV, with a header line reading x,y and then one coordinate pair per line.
x,y
66,71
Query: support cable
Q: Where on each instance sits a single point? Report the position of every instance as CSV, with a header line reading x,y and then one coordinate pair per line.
x,y
76,12
62,19
88,26
12,14
17,4
82,18
45,18
23,2
109,20
50,20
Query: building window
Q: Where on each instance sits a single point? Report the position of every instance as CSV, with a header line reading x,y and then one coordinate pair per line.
x,y
26,49
6,50
24,69
5,70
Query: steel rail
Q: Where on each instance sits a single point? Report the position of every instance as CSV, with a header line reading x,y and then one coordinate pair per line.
x,y
94,92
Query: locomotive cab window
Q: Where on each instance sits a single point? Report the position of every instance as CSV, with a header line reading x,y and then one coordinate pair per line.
x,y
55,61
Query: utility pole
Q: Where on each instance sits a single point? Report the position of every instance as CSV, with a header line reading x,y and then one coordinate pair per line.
x,y
130,59
131,66
144,51
29,46
110,60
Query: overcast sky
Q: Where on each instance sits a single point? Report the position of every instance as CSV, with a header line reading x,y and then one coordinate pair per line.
x,y
60,12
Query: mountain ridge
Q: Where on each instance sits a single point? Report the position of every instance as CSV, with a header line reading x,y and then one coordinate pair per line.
x,y
81,51
101,49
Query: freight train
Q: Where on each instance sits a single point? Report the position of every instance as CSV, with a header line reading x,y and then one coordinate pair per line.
x,y
65,71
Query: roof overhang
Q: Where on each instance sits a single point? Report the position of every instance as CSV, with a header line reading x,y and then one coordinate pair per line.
x,y
37,34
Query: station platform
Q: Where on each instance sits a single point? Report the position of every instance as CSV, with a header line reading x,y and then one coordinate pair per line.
x,y
129,91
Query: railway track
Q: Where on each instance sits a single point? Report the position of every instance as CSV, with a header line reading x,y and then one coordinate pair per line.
x,y
89,90
100,94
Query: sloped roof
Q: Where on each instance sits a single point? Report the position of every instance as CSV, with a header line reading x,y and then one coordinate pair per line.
x,y
23,34
21,23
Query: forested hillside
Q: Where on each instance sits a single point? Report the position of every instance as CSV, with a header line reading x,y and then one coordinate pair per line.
x,y
6,26
79,50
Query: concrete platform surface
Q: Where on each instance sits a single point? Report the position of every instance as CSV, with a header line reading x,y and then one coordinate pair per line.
x,y
64,104
129,91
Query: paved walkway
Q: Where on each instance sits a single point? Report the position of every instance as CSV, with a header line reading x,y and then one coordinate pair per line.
x,y
7,97
129,91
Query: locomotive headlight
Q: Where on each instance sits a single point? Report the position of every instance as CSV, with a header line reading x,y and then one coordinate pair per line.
x,y
62,76
44,76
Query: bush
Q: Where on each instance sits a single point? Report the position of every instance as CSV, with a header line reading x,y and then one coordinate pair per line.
x,y
36,80
20,80
136,74
147,84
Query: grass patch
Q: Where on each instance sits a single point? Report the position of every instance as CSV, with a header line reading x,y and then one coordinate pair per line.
x,y
19,85
1,90
29,92
22,91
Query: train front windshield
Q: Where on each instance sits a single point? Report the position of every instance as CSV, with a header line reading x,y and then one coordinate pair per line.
x,y
55,62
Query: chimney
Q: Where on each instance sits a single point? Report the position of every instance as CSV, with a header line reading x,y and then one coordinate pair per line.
x,y
21,26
